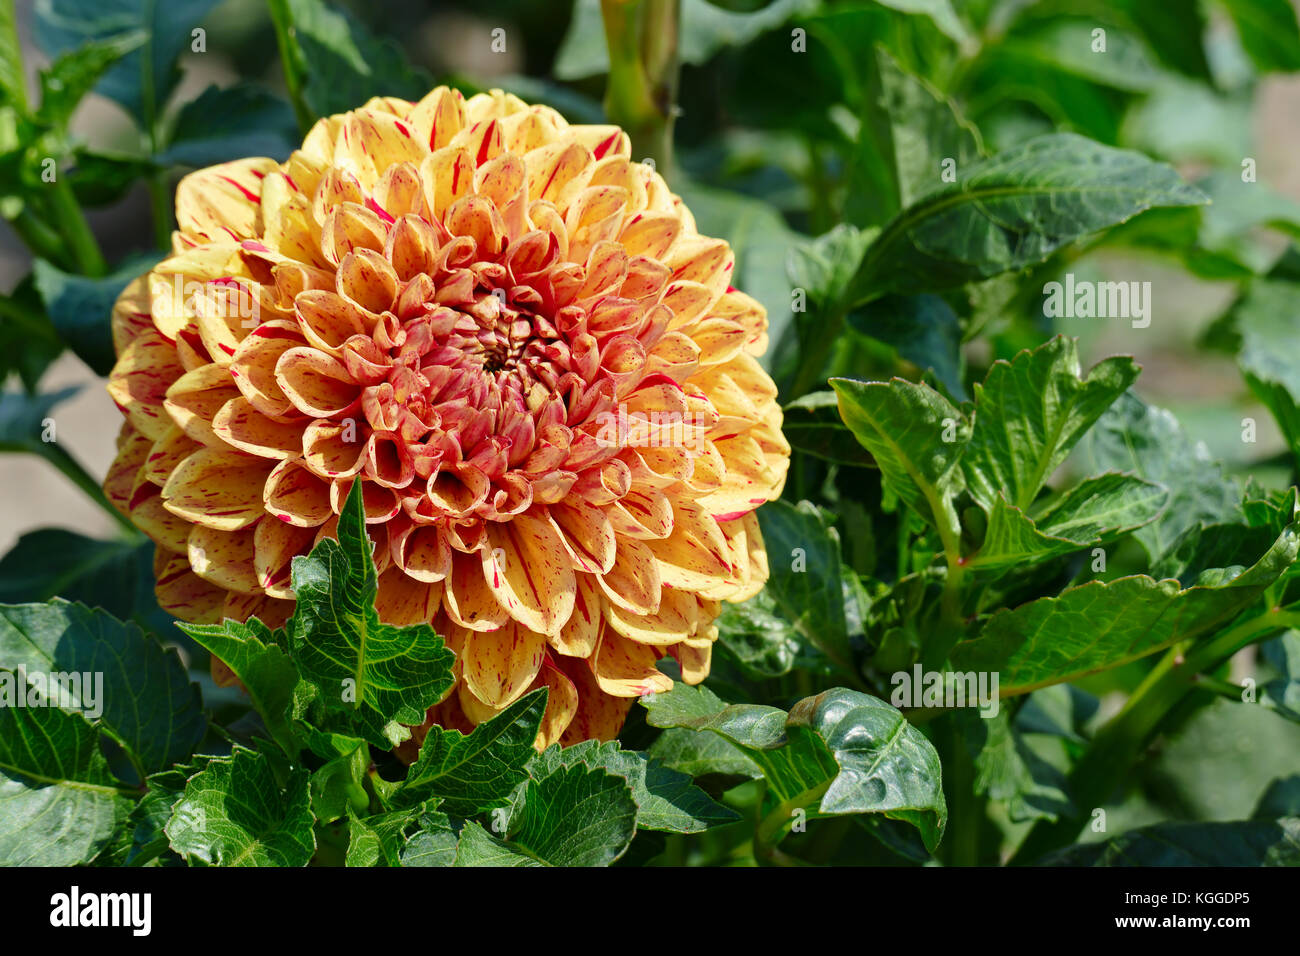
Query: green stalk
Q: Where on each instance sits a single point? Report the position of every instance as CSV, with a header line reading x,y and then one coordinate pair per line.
x,y
966,809
291,62
1118,745
76,231
642,91
815,354
43,241
75,472
160,204
772,828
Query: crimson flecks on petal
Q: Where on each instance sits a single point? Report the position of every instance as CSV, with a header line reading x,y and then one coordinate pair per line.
x,y
513,336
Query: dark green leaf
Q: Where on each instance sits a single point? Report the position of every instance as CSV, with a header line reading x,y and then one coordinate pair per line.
x,y
55,562
474,773
909,131
74,74
224,124
805,580
762,641
140,692
372,676
916,436
1148,442
81,307
1100,625
257,657
923,328
342,64
1246,843
666,799
235,813
1091,513
1011,211
1030,412
812,424
845,751
143,80
575,816
59,804
1007,769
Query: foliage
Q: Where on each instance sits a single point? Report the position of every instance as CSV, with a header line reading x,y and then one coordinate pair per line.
x,y
970,496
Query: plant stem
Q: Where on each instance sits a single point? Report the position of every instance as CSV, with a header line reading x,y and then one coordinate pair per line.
x,y
17,87
290,62
815,354
160,202
772,828
1117,745
965,807
43,241
77,474
76,231
642,91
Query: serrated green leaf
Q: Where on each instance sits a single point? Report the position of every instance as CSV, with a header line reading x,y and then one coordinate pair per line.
x,y
418,836
338,786
257,657
59,803
433,844
1148,442
1030,412
1089,514
150,815
235,813
805,579
575,816
916,437
715,764
369,675
144,698
666,800
1100,625
472,773
1011,211
75,73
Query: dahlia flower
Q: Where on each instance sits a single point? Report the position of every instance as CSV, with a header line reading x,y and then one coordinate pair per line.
x,y
515,338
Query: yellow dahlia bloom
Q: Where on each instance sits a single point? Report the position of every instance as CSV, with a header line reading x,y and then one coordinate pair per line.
x,y
515,337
